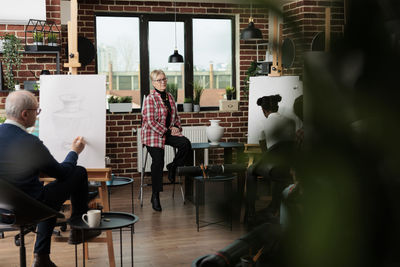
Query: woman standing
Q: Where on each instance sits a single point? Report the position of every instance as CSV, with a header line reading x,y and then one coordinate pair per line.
x,y
161,126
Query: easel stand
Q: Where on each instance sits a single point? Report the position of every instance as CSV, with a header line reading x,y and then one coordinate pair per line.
x,y
276,69
73,56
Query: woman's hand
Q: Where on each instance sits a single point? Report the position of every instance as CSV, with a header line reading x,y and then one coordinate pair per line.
x,y
78,144
175,131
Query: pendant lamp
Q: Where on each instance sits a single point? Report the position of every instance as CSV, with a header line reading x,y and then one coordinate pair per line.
x,y
251,32
175,57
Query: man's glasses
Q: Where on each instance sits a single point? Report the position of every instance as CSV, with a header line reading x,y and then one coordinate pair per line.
x,y
161,80
38,110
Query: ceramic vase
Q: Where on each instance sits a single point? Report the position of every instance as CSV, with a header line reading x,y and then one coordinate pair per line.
x,y
196,108
214,132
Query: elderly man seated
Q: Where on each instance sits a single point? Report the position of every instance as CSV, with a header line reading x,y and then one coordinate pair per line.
x,y
23,156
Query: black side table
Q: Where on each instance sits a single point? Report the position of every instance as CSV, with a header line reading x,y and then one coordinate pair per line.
x,y
120,181
199,189
109,221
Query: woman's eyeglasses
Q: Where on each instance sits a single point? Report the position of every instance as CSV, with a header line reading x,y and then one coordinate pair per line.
x,y
161,80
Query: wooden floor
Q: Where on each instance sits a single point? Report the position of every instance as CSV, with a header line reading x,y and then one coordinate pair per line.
x,y
167,238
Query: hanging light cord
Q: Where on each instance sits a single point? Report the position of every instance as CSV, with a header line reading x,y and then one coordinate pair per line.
x,y
176,48
251,12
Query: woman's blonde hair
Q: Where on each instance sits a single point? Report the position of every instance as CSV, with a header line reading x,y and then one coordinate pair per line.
x,y
155,73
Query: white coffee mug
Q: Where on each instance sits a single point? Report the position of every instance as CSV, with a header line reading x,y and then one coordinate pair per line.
x,y
93,218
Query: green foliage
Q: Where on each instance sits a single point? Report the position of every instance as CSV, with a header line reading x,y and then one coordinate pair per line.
x,y
120,99
2,119
36,87
198,91
187,100
172,88
230,90
38,36
251,72
11,57
52,37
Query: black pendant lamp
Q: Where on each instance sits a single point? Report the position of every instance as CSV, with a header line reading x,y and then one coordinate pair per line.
x,y
175,57
251,32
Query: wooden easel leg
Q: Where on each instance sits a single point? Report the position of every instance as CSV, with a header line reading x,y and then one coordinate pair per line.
x,y
104,197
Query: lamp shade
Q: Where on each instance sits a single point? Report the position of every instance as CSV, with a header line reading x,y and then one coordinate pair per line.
x,y
175,57
251,33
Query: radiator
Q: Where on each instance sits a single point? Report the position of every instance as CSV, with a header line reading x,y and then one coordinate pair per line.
x,y
196,134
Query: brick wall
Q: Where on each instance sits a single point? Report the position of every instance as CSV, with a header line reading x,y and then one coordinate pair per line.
x,y
304,19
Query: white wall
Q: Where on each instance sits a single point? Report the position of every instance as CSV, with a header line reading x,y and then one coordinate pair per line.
x,y
20,11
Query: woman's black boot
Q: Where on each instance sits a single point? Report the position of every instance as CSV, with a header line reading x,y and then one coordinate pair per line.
x,y
155,201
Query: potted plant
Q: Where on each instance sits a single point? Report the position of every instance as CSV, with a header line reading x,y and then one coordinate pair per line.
x,y
172,88
251,71
38,38
12,58
17,86
52,39
187,104
120,103
198,91
229,92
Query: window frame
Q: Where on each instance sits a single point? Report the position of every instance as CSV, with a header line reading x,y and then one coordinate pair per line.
x,y
187,19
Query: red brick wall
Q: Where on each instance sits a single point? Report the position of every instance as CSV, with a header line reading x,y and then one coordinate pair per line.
x,y
303,19
34,62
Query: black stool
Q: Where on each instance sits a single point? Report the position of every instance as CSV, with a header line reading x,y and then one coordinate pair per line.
x,y
199,189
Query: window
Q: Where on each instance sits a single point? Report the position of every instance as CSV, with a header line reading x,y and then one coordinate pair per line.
x,y
130,47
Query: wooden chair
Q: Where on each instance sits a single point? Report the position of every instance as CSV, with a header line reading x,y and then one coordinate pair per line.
x,y
17,209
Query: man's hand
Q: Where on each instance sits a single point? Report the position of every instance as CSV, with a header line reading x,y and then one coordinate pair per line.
x,y
175,131
78,144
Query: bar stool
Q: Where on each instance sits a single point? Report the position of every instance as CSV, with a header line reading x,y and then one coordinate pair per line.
x,y
200,182
145,153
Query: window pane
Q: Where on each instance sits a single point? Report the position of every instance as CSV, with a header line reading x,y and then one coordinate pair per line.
x,y
117,40
161,46
212,57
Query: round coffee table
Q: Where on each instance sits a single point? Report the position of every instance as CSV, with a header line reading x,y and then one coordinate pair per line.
x,y
109,221
120,181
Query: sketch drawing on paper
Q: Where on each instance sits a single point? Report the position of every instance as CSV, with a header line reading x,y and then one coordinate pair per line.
x,y
71,116
73,105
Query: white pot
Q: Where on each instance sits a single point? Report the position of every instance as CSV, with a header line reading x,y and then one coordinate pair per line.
x,y
17,87
187,107
120,107
214,132
196,108
37,43
52,44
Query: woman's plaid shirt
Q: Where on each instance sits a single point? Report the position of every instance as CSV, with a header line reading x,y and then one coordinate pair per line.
x,y
154,115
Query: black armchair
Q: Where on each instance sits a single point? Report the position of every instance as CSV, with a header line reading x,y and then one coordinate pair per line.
x,y
18,209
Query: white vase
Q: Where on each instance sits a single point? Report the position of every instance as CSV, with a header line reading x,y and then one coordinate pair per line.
x,y
196,108
214,132
17,87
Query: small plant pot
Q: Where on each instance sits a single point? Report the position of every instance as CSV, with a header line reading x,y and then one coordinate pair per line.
x,y
196,108
229,97
17,87
187,107
120,107
52,44
37,43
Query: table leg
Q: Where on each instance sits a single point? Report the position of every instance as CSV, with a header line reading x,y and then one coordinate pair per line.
x,y
228,155
83,248
132,245
76,255
120,244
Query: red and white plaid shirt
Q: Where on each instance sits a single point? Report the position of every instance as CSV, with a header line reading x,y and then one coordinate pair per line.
x,y
154,116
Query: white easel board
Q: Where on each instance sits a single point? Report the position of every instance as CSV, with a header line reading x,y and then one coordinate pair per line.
x,y
288,87
73,105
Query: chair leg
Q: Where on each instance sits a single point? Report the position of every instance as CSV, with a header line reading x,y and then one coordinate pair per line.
x,y
144,161
183,194
22,250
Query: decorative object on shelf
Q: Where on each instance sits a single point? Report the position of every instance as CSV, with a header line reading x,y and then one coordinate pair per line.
x,y
175,57
251,32
38,38
17,86
30,85
52,39
228,105
252,71
198,91
229,92
187,104
120,104
2,119
214,132
12,58
40,30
